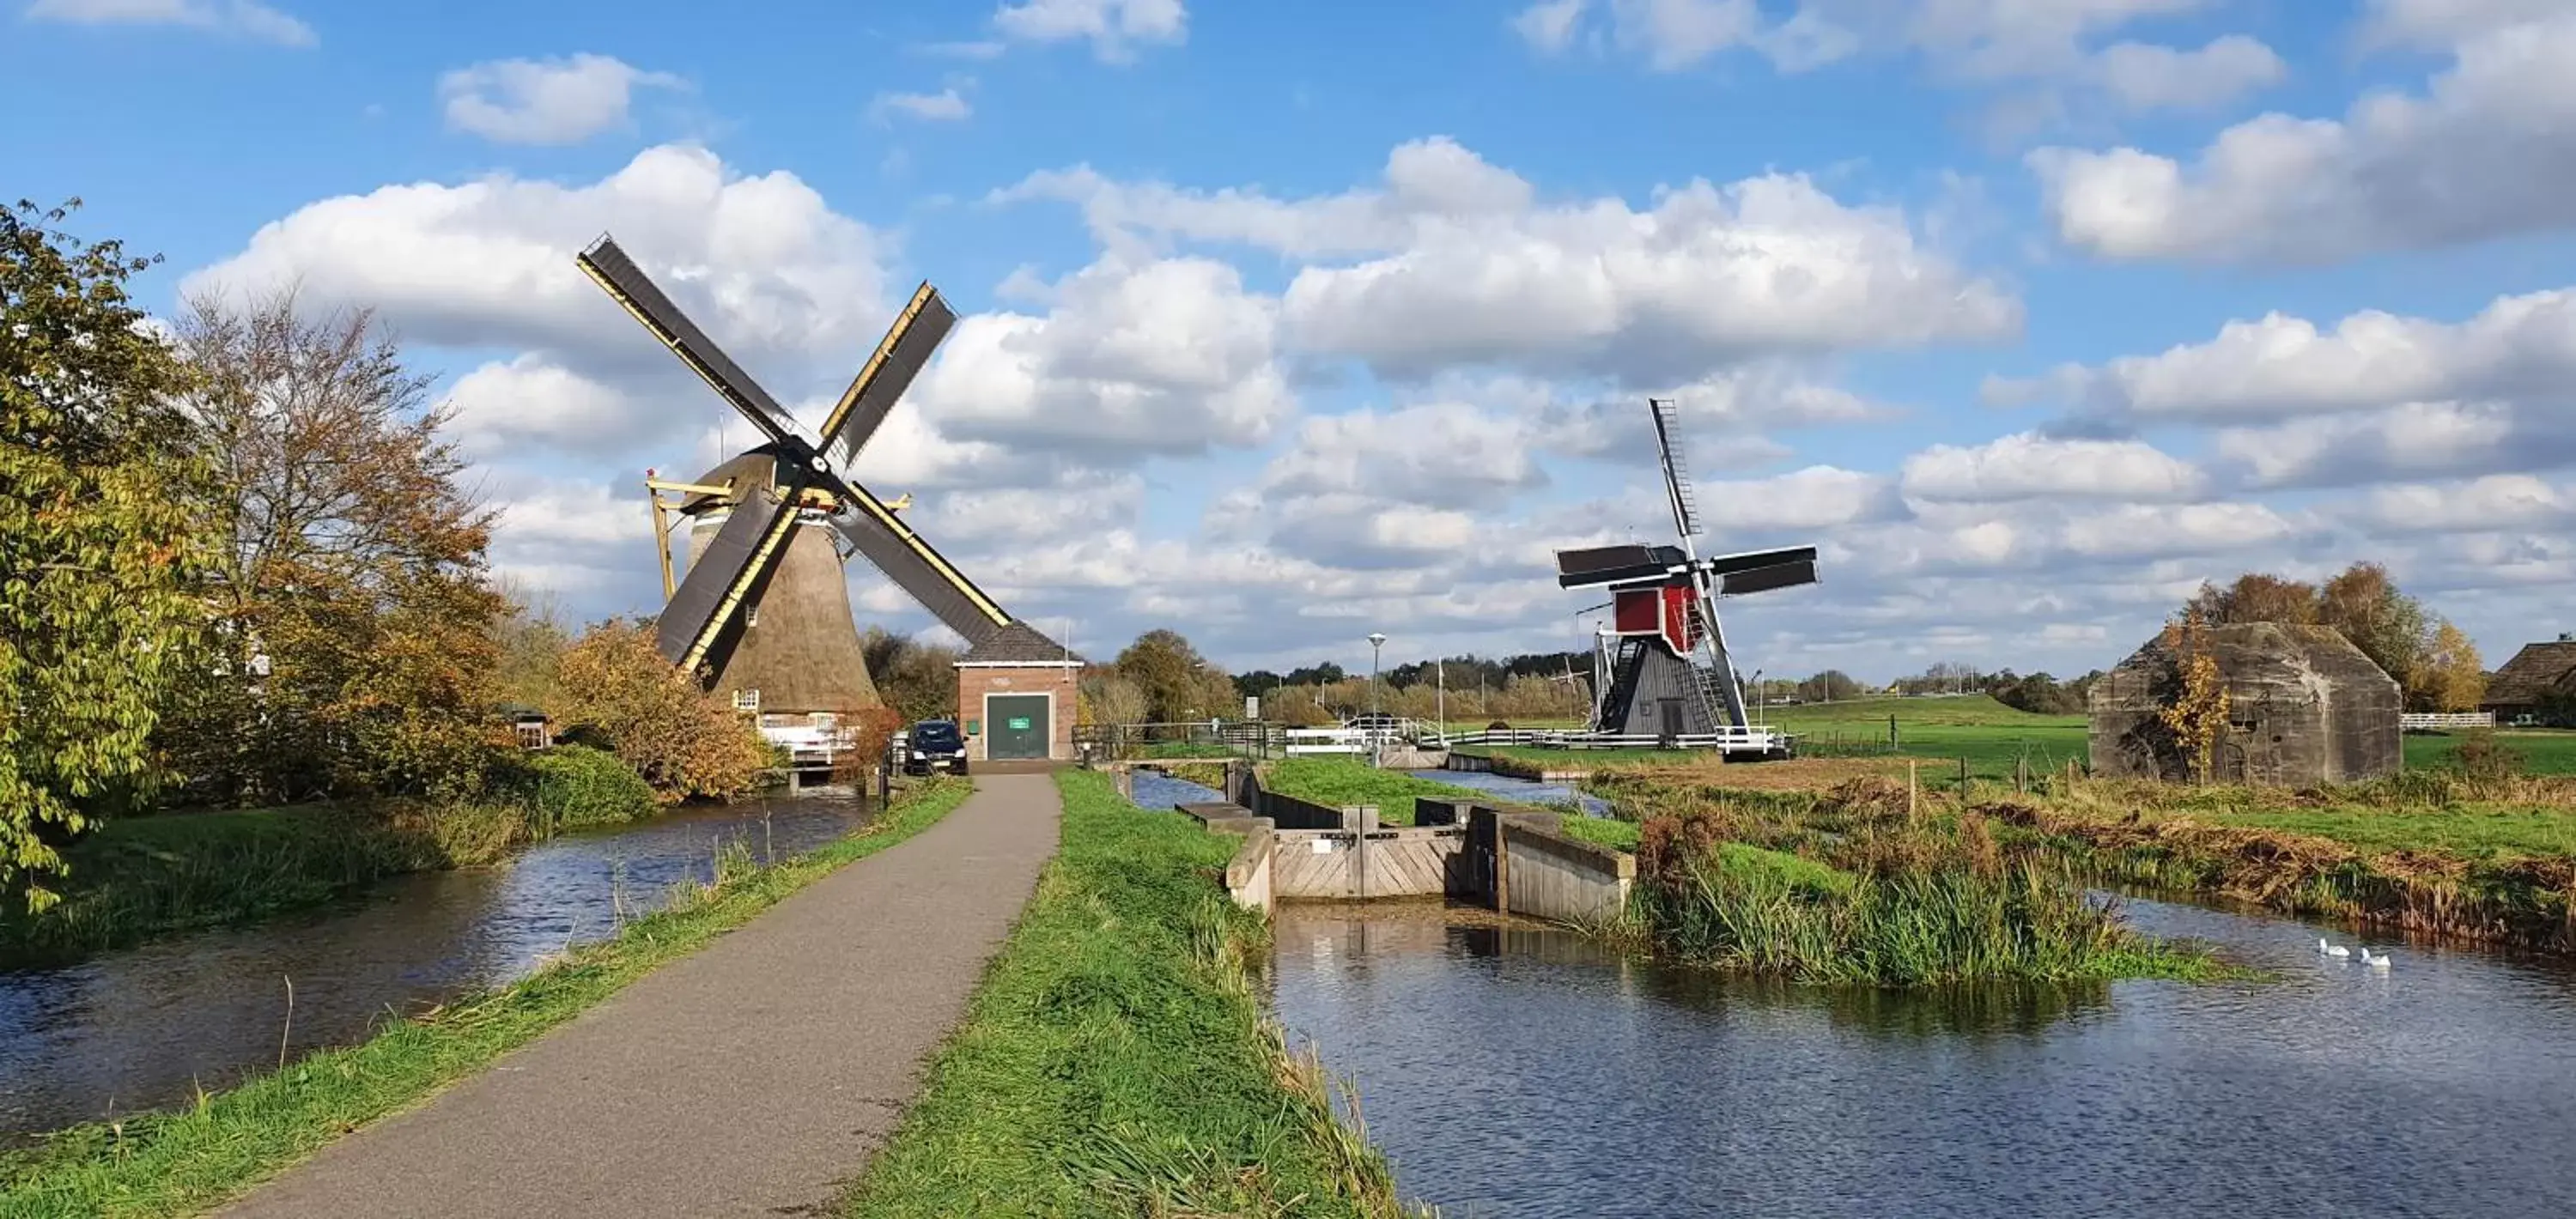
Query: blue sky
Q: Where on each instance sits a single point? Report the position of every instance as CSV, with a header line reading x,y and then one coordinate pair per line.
x,y
1287,323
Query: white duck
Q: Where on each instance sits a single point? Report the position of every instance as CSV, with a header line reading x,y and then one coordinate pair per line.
x,y
2377,962
2325,949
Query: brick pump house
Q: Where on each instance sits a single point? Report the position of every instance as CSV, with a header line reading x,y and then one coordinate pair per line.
x,y
1015,693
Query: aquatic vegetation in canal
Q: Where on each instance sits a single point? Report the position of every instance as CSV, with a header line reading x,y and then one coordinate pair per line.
x,y
1904,901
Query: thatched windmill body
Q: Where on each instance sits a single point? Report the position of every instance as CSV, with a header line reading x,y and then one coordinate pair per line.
x,y
763,606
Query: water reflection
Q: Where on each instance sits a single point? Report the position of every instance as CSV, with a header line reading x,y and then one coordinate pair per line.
x,y
142,1028
1527,1072
1526,791
1154,789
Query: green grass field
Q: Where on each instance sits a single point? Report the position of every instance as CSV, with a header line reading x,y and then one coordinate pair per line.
x,y
1992,736
2470,831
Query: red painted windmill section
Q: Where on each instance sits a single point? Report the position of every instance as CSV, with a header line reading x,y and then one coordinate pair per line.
x,y
1666,611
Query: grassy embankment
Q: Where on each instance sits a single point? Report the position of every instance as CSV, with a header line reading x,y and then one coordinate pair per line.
x,y
2489,857
189,1160
1915,903
1995,739
1116,1060
140,877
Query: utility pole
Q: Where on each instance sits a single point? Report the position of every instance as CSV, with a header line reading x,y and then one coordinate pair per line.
x,y
1440,671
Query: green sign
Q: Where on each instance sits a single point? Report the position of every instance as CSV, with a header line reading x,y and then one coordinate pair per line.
x,y
974,726
1019,723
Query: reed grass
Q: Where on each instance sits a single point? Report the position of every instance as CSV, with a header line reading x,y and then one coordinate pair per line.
x,y
1754,912
1116,1060
147,876
188,1160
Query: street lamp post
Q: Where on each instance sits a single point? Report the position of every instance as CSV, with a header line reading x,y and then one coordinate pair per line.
x,y
1376,642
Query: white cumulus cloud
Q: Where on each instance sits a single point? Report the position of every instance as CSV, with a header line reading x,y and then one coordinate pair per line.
x,y
1114,28
241,18
2487,150
545,101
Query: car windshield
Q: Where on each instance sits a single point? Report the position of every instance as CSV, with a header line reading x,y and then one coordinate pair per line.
x,y
934,734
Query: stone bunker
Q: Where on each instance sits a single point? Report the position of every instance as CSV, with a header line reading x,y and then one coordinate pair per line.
x,y
2305,706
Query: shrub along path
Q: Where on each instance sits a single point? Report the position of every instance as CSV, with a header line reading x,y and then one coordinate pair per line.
x,y
749,1078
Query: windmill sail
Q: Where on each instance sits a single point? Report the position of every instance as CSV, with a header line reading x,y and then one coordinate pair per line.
x,y
611,269
712,594
909,561
1677,482
917,331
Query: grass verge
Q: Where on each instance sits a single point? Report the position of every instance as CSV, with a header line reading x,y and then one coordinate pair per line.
x,y
1334,782
1116,1060
188,1160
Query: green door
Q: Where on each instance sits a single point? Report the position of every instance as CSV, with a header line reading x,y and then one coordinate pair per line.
x,y
1016,727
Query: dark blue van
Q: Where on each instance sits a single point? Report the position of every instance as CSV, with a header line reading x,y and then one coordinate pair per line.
x,y
934,745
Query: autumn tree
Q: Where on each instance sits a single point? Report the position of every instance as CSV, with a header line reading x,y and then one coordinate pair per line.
x,y
529,641
918,680
2388,626
2256,597
98,545
1108,698
350,592
683,740
2195,710
1178,683
2451,676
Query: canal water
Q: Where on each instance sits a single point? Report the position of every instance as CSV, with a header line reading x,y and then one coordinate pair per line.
x,y
1526,791
1522,1071
142,1028
1514,1070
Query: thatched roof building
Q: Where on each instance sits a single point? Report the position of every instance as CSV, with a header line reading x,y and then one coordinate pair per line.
x,y
2538,684
2306,706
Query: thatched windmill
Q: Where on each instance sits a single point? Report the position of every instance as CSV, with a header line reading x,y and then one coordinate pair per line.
x,y
764,606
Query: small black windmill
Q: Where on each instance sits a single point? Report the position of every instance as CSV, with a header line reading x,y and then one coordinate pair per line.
x,y
789,481
1664,654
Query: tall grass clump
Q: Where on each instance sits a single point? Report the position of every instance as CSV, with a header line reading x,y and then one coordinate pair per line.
x,y
1117,1060
1907,899
569,786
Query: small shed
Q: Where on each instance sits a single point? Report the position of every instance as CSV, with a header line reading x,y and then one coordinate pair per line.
x,y
2537,686
2305,706
1015,692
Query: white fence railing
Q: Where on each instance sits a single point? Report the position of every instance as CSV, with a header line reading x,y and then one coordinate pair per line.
x,y
1731,739
808,746
1353,740
2412,721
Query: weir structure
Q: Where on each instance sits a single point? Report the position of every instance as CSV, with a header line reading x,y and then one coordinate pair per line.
x,y
1511,858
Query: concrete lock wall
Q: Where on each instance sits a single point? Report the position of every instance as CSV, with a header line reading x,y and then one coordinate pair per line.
x,y
1545,874
1516,860
1248,876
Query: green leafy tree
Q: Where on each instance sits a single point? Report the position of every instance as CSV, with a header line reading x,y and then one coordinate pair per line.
x,y
918,680
97,543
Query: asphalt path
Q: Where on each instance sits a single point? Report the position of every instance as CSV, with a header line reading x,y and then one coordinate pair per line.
x,y
753,1077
